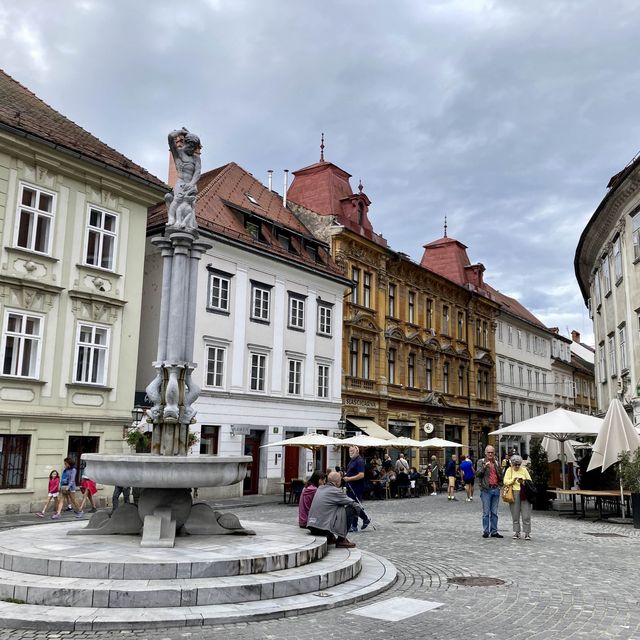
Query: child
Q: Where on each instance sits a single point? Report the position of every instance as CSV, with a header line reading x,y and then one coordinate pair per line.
x,y
88,489
53,490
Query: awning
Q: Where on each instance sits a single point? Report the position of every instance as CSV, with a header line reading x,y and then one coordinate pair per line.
x,y
371,428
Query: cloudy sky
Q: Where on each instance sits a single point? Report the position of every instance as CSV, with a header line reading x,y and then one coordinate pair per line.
x,y
507,117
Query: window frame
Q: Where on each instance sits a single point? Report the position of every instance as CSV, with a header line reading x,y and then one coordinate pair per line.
x,y
93,348
366,289
391,365
8,452
323,381
260,366
411,307
326,310
411,370
355,285
101,232
216,361
222,277
366,360
428,368
21,337
50,216
295,368
354,357
296,311
265,291
391,293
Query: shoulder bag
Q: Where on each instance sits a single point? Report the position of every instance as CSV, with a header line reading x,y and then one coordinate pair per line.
x,y
507,494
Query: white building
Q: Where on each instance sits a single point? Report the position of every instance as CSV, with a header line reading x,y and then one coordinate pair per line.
x,y
268,330
607,265
73,214
525,384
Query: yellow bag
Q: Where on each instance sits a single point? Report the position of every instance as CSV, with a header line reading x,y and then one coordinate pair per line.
x,y
507,494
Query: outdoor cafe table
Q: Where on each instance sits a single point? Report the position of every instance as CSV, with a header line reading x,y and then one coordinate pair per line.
x,y
599,496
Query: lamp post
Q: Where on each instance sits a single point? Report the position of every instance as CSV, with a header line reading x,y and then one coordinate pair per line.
x,y
136,414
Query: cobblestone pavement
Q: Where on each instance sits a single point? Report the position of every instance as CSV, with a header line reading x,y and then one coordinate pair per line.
x,y
564,584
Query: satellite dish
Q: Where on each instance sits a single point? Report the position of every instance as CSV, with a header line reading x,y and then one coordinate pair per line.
x,y
427,427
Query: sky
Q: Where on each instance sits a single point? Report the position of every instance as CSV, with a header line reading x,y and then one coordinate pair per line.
x,y
507,117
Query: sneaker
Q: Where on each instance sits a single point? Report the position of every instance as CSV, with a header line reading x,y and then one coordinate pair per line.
x,y
433,494
485,535
467,499
92,510
69,508
516,536
79,514
527,536
454,499
55,516
365,524
497,535
471,499
40,514
353,529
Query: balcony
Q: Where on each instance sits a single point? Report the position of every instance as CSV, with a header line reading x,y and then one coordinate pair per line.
x,y
360,384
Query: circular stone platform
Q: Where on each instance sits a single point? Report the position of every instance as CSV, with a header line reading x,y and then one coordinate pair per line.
x,y
65,582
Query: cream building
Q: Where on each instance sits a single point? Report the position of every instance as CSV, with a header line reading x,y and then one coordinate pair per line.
x,y
607,265
74,220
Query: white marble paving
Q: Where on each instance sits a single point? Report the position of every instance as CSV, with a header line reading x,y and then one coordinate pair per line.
x,y
396,609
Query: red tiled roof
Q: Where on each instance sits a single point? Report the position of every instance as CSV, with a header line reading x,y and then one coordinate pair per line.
x,y
448,257
515,308
222,197
22,110
320,187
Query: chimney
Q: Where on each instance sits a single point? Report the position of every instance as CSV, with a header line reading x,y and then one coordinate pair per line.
x,y
575,336
286,186
172,175
270,179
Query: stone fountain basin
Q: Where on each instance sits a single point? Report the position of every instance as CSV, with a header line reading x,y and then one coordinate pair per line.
x,y
177,472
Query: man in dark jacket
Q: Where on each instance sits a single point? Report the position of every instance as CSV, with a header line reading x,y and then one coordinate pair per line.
x,y
451,472
356,485
489,474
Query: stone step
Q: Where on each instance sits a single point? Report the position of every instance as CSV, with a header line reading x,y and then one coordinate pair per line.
x,y
338,566
47,550
377,575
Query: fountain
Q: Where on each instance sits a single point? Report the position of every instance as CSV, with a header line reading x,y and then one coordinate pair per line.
x,y
167,474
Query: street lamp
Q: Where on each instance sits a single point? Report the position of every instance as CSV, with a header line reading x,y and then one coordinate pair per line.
x,y
342,423
137,413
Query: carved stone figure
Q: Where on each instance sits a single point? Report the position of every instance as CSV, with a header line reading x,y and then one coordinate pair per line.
x,y
185,148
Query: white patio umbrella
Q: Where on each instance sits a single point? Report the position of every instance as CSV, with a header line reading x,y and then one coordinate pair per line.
x,y
439,443
308,440
555,450
363,440
616,436
559,424
406,443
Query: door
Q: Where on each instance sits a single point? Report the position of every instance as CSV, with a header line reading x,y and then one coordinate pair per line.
x,y
252,448
79,445
291,463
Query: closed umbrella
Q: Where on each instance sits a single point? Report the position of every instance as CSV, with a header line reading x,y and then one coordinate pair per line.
x,y
616,436
555,450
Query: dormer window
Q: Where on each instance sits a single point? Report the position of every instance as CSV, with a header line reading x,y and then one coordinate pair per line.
x,y
252,200
284,241
252,228
312,252
360,212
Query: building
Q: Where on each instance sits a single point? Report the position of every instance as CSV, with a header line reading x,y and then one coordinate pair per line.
x,y
74,221
525,378
418,347
607,266
564,389
268,332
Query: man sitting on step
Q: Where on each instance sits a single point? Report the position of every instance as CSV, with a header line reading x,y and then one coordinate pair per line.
x,y
331,511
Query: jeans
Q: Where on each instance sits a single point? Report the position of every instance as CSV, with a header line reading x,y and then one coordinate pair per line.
x,y
352,518
490,501
125,491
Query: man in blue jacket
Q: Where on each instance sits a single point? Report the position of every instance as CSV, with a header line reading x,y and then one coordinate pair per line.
x,y
451,472
356,486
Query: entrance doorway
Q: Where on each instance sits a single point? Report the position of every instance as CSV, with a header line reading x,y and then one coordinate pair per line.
x,y
252,448
291,463
79,445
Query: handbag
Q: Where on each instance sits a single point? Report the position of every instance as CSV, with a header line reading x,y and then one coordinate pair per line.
x,y
507,494
530,489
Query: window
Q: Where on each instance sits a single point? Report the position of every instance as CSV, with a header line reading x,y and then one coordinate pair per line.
x,y
460,325
258,371
296,311
215,366
366,290
354,351
391,365
219,292
355,285
635,234
528,342
537,410
366,359
513,411
445,377
429,374
522,411
479,385
501,371
324,319
430,324
411,370
485,380
519,343
479,333
485,334
260,295
101,239
360,212
323,381
510,335
461,381
503,410
520,377
209,437
544,382
612,355
92,350
411,304
392,300
531,411
445,320
606,278
596,290
529,380
602,363
295,377
512,369
21,344
617,260
14,454
622,340
253,229
500,331
537,381
36,209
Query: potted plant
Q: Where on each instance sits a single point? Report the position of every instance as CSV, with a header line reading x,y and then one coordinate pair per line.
x,y
138,440
539,473
630,478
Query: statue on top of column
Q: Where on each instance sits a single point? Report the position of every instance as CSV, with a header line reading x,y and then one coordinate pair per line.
x,y
185,148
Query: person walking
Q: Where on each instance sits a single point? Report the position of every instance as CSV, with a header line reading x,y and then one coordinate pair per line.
x,y
515,477
435,475
468,476
67,487
316,480
115,498
53,491
451,471
489,474
356,485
